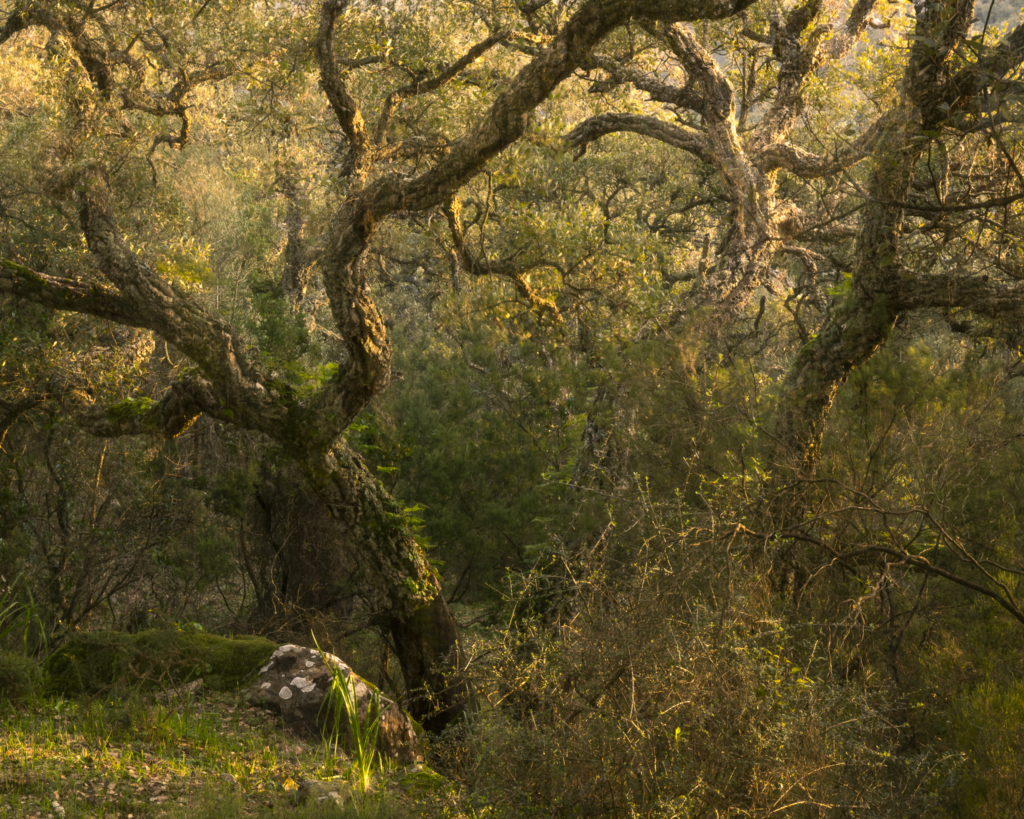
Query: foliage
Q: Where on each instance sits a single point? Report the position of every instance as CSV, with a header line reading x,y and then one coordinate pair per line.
x,y
19,621
989,723
707,352
20,677
478,453
129,536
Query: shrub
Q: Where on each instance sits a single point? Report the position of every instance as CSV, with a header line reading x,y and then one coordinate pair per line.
x,y
989,726
19,677
669,687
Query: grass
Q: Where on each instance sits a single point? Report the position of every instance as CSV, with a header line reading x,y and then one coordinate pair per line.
x,y
208,757
16,616
343,709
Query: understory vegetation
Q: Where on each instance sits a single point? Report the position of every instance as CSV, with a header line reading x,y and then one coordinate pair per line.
x,y
632,390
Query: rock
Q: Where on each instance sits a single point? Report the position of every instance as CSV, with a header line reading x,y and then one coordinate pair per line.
x,y
294,684
335,790
94,662
181,693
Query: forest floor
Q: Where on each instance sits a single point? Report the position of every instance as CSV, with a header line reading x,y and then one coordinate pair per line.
x,y
209,756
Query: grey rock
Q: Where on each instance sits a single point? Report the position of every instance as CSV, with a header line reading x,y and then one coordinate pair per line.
x,y
180,694
294,683
336,790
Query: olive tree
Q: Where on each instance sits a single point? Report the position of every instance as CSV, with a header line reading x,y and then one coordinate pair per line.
x,y
873,184
127,68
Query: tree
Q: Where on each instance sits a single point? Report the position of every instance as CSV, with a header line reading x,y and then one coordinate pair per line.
x,y
136,64
735,99
947,102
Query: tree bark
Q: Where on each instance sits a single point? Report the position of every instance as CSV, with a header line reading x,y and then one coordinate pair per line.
x,y
760,224
429,651
401,583
868,312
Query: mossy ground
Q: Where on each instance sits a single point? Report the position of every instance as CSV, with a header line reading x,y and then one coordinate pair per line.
x,y
212,756
95,662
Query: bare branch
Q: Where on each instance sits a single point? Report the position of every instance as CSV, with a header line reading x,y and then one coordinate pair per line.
x,y
808,165
719,101
57,293
839,45
10,412
978,293
900,556
507,119
509,268
171,103
799,53
682,98
185,401
427,144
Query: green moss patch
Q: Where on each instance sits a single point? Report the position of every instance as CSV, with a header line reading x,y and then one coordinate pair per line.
x,y
93,662
422,782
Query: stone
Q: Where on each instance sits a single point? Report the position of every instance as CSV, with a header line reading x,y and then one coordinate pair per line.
x,y
294,684
320,791
94,662
180,694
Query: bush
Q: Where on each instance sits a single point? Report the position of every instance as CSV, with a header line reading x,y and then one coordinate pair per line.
x,y
989,728
19,677
670,687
